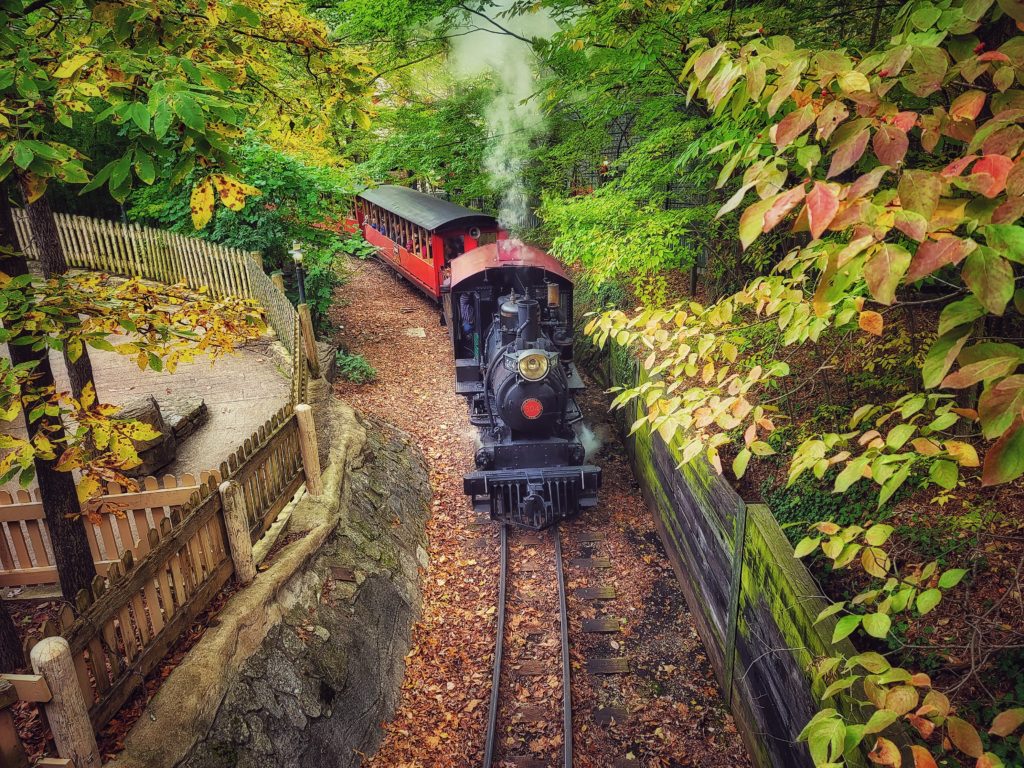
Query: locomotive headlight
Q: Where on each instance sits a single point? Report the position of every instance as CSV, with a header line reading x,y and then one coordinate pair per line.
x,y
533,366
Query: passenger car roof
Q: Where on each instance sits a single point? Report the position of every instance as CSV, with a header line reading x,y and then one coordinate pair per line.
x,y
425,210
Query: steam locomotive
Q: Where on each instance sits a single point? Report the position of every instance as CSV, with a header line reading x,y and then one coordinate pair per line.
x,y
508,308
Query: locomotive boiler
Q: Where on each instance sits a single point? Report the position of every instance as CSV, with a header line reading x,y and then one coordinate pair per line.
x,y
508,307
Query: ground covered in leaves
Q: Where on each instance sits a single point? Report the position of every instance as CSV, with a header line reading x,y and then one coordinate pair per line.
x,y
675,713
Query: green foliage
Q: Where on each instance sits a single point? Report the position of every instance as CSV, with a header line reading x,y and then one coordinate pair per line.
x,y
355,368
356,246
807,501
296,198
323,275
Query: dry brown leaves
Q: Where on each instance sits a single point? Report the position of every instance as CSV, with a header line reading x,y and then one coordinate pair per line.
x,y
676,714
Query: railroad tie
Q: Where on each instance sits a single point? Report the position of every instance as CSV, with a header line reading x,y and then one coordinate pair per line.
x,y
608,715
532,667
595,593
615,665
601,625
591,536
591,562
525,761
531,713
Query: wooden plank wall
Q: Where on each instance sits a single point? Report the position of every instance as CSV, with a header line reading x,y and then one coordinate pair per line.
x,y
124,517
761,656
168,257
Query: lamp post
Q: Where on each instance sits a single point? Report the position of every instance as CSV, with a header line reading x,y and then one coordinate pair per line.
x,y
296,254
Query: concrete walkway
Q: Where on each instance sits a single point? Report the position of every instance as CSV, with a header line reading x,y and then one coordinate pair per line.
x,y
241,391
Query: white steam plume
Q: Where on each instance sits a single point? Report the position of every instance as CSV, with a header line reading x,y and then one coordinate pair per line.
x,y
514,117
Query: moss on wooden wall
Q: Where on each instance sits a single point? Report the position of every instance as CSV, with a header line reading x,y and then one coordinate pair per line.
x,y
698,514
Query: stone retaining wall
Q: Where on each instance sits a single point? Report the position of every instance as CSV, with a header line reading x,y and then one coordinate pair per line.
x,y
756,614
302,666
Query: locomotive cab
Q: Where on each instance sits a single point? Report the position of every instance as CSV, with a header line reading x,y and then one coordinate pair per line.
x,y
509,313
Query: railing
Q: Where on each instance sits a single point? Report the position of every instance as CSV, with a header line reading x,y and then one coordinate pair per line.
x,y
168,257
26,554
129,620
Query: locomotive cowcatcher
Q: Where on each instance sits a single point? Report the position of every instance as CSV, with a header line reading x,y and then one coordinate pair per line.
x,y
508,307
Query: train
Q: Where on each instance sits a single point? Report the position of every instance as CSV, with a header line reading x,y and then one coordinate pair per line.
x,y
508,307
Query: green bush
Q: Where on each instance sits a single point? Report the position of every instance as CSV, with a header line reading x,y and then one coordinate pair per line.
x,y
296,200
355,368
810,500
358,247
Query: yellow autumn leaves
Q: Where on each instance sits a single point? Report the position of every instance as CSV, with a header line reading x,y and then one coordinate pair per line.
x,y
231,191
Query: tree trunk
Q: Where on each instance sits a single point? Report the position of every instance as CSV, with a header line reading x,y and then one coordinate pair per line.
x,y
43,227
11,657
75,567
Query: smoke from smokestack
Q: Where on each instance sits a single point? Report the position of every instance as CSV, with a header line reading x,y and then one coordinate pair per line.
x,y
514,117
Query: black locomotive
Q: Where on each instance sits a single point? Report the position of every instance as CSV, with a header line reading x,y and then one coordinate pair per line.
x,y
508,307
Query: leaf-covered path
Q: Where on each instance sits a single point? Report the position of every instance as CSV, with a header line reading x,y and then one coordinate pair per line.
x,y
676,714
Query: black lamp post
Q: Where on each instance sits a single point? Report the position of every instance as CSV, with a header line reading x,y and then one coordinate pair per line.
x,y
300,278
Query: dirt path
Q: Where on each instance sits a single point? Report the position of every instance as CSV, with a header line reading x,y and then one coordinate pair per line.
x,y
676,717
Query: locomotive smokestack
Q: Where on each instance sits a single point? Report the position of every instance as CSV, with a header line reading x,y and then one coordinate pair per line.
x,y
529,322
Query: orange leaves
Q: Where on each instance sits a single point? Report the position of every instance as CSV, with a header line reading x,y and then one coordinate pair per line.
x,y
935,254
967,106
822,206
922,757
885,753
964,736
871,322
890,144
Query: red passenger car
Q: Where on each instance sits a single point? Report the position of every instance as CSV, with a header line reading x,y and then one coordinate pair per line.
x,y
418,234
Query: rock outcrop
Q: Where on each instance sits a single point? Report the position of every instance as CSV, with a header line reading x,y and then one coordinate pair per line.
x,y
306,663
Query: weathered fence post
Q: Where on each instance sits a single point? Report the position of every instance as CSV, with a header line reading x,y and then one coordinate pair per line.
x,y
66,711
308,448
236,523
12,753
277,278
309,340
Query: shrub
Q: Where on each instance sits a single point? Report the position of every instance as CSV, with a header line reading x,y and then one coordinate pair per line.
x,y
355,368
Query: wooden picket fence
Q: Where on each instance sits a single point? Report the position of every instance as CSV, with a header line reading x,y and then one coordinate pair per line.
x,y
168,257
26,554
133,615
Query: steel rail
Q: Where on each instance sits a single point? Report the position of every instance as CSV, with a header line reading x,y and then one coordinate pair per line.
x,y
566,668
499,643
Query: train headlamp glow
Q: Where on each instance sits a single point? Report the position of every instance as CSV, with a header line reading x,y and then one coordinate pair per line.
x,y
533,366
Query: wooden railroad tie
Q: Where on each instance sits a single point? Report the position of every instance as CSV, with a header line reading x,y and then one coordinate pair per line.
x,y
532,566
608,715
531,540
602,624
531,713
595,593
585,536
532,667
616,665
591,562
525,761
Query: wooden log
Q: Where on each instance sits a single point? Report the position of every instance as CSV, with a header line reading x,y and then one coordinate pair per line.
x,y
309,448
236,524
66,711
309,340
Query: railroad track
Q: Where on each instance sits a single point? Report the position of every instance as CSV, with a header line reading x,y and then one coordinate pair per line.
x,y
508,713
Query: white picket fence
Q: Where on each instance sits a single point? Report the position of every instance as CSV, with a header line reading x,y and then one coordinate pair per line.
x,y
168,257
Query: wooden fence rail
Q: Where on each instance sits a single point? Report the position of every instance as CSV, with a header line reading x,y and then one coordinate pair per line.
x,y
131,617
26,554
168,257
